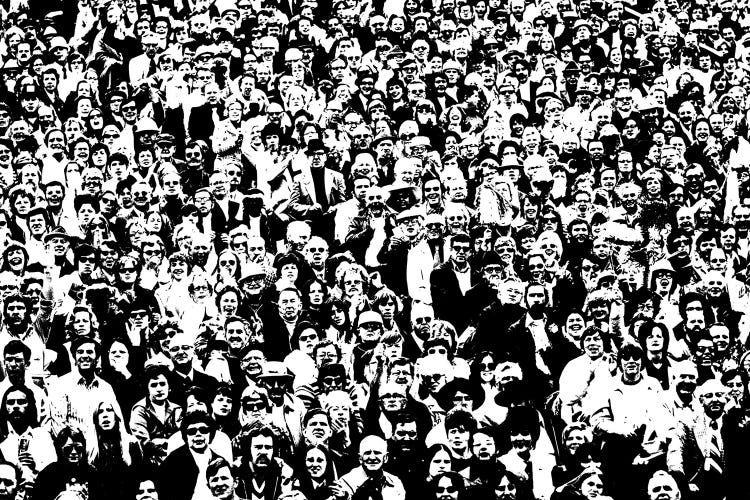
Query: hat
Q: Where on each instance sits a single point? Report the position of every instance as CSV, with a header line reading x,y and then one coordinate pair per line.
x,y
204,50
275,369
512,52
251,270
434,219
409,213
420,140
58,42
446,395
166,139
582,23
146,125
55,232
492,258
510,161
150,38
584,87
316,145
369,317
376,142
396,52
451,64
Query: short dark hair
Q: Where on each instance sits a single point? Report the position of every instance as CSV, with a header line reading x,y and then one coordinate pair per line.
x,y
197,417
215,465
16,346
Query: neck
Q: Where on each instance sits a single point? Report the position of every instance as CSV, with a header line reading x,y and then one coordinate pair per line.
x,y
183,369
87,375
19,426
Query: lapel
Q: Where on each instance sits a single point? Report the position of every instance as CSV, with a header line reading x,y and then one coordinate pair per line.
x,y
306,185
328,182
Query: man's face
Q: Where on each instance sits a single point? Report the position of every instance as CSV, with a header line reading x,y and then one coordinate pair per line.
x,y
8,482
483,447
237,335
261,451
222,484
506,490
373,458
16,312
16,404
180,351
289,305
85,357
663,488
318,429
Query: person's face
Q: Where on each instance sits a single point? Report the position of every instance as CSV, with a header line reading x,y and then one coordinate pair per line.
x,y
15,365
158,388
73,451
574,440
316,463
655,341
198,437
445,490
373,459
180,351
318,429
146,491
441,462
593,346
458,438
222,484
506,490
17,404
107,418
631,365
522,443
720,336
663,489
592,486
81,323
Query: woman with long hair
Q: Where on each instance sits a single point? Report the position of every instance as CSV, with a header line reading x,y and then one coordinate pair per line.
x,y
71,466
316,472
112,452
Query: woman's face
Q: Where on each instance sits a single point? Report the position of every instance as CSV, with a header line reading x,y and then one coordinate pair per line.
x,y
289,272
574,325
81,323
316,463
107,418
441,462
316,294
574,441
222,405
73,451
702,131
201,290
338,316
487,369
592,487
22,205
234,113
593,346
145,159
397,25
178,269
118,354
228,264
229,303
615,56
655,341
653,186
307,340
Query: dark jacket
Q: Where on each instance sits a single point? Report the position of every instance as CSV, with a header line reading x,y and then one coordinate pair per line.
x,y
178,475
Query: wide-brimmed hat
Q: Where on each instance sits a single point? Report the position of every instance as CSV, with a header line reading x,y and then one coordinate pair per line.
x,y
445,396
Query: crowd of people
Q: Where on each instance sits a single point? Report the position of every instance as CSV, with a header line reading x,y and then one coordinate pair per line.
x,y
374,249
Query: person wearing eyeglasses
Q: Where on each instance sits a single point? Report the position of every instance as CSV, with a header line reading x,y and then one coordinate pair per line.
x,y
184,375
182,475
450,282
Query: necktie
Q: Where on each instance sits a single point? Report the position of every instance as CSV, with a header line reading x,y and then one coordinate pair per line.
x,y
713,456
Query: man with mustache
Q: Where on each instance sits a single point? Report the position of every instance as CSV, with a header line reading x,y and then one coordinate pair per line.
x,y
406,450
260,473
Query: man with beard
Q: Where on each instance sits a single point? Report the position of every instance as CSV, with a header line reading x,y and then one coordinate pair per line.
x,y
370,480
19,411
630,417
287,410
16,360
450,282
183,473
258,219
193,172
260,472
10,480
540,350
406,452
75,395
184,375
17,325
370,229
695,455
679,247
221,480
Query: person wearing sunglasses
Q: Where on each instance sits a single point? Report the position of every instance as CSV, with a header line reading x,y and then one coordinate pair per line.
x,y
184,470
